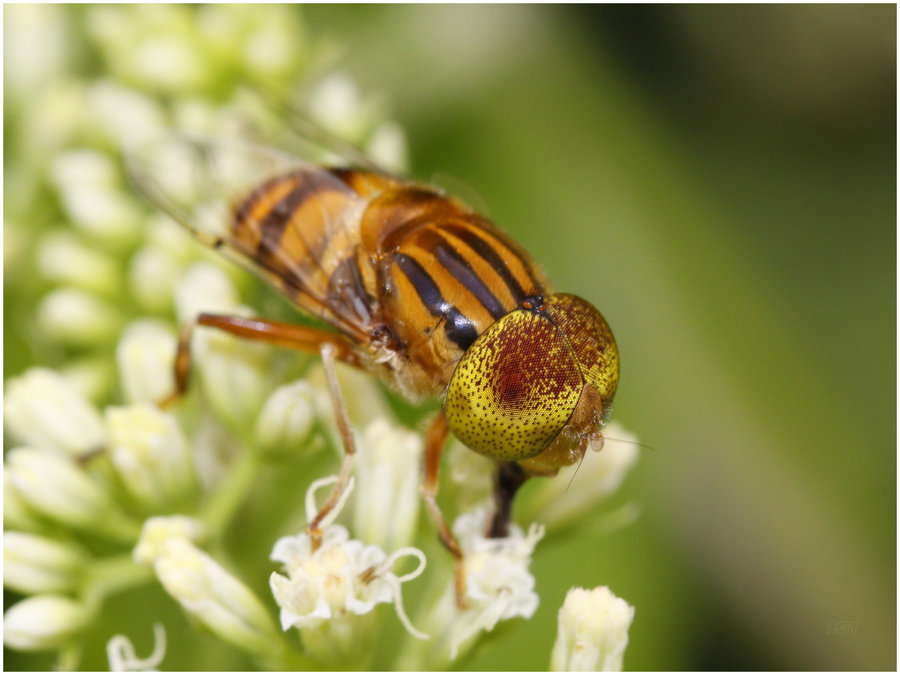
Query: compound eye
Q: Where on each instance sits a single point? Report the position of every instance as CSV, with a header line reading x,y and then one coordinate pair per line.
x,y
514,389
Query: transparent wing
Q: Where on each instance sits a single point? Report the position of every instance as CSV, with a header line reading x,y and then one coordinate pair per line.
x,y
290,221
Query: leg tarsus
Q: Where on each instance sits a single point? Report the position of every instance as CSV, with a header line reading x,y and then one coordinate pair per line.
x,y
508,478
434,445
340,412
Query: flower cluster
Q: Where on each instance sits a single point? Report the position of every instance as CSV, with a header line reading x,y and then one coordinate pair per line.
x,y
106,494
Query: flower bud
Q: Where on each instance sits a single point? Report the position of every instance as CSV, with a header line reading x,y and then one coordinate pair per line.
x,y
146,356
45,411
150,454
204,287
214,597
387,498
160,529
592,631
151,277
16,514
34,564
64,259
43,622
287,416
387,147
103,212
55,486
77,318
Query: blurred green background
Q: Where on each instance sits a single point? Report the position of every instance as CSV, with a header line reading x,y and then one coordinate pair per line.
x,y
720,182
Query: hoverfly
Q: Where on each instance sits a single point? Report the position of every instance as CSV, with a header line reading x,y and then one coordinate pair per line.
x,y
419,289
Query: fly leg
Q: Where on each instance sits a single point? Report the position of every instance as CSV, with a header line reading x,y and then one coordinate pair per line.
x,y
434,445
274,332
508,478
330,345
340,412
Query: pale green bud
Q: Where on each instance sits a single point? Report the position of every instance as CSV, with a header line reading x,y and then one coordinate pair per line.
x,y
233,371
124,115
75,169
204,287
34,564
16,514
387,147
44,622
44,410
103,212
234,374
146,356
287,416
64,259
55,486
152,273
36,46
214,597
592,631
386,505
336,104
158,530
150,454
78,318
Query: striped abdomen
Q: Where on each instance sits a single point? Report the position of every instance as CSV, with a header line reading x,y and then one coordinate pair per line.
x,y
444,275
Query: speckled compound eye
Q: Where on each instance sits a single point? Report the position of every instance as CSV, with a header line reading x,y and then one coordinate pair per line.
x,y
514,389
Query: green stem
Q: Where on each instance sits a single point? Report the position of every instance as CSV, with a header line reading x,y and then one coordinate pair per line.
x,y
230,493
113,575
120,527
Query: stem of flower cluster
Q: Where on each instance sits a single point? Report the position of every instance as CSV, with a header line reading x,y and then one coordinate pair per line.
x,y
230,493
113,575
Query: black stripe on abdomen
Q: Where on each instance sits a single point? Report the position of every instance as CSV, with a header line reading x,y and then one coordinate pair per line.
x,y
277,219
462,271
460,330
487,252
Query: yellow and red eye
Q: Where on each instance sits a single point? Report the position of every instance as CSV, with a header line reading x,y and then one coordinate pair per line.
x,y
515,388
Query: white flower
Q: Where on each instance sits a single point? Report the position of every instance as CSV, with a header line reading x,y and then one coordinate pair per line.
x,y
593,631
206,591
328,591
577,489
386,503
150,454
122,657
498,587
146,357
44,410
35,564
54,486
287,416
43,622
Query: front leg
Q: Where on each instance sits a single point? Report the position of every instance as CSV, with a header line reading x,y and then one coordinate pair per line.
x,y
274,332
508,478
434,445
